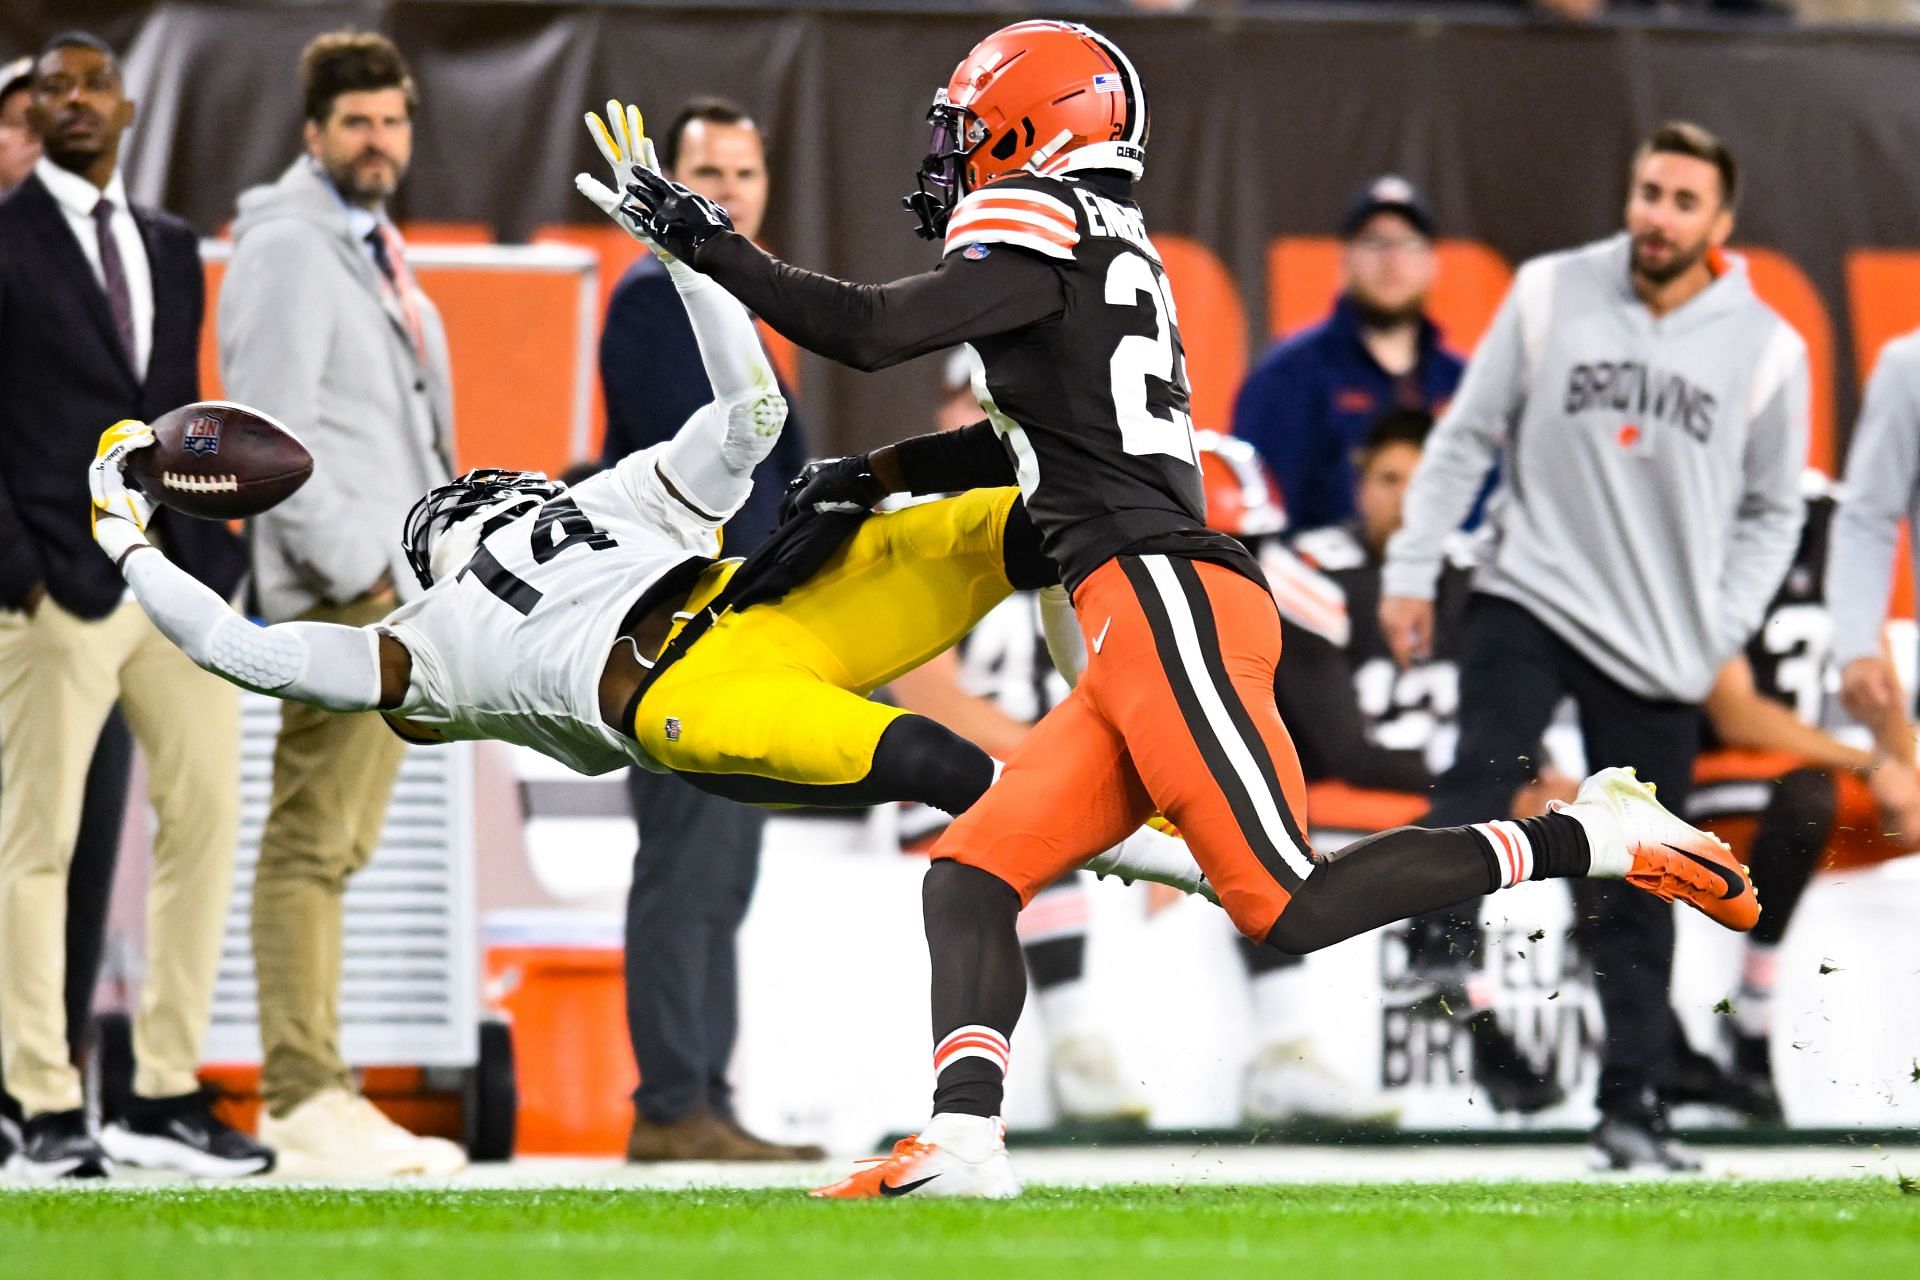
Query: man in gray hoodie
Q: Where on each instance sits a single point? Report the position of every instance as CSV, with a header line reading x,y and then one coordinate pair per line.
x,y
322,326
1881,488
1650,415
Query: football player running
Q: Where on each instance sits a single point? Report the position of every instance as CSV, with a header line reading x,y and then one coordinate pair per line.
x,y
1047,270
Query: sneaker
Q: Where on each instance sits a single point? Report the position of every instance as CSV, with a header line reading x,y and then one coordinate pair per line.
x,y
183,1134
1087,1085
702,1135
1638,1139
803,1152
337,1134
935,1162
1627,827
10,1118
1503,1072
1286,1081
58,1144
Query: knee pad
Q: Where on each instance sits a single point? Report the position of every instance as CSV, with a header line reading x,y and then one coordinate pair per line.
x,y
925,761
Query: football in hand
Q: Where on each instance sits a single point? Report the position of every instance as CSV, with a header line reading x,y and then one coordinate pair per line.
x,y
219,461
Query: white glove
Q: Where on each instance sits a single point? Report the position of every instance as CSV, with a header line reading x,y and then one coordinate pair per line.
x,y
624,143
120,513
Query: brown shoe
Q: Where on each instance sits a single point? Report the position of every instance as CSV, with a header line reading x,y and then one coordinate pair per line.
x,y
700,1136
806,1151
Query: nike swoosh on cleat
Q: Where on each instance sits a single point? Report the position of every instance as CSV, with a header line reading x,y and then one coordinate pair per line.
x,y
889,1190
1734,883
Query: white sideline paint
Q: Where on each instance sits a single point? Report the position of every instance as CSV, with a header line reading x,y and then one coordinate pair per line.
x,y
1155,1166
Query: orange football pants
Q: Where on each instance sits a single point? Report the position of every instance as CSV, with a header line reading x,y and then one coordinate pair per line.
x,y
1174,712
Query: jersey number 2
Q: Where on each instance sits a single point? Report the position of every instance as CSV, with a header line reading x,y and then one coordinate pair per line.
x,y
1140,361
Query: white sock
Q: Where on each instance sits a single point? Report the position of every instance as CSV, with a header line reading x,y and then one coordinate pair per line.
x,y
1607,852
972,1138
1279,1005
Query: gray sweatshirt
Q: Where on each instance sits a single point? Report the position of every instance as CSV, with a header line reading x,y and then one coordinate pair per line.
x,y
1649,498
1881,487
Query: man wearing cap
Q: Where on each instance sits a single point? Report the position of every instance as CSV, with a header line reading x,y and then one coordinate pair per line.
x,y
1308,405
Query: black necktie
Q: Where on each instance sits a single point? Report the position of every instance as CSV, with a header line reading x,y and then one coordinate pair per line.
x,y
378,243
119,299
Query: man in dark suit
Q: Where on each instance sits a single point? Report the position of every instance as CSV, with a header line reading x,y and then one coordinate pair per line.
x,y
97,847
699,853
100,311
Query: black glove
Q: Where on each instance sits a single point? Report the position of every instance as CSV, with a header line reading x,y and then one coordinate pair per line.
x,y
676,219
835,484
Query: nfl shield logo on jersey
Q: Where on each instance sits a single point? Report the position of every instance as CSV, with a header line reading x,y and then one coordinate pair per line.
x,y
975,251
673,728
202,435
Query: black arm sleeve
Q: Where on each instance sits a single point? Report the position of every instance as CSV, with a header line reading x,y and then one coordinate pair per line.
x,y
1315,693
970,457
1028,567
874,326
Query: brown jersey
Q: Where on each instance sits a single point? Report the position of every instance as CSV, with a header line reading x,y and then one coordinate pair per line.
x,y
1093,403
1057,287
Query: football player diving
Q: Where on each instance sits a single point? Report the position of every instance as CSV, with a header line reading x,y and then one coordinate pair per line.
x,y
597,625
1046,269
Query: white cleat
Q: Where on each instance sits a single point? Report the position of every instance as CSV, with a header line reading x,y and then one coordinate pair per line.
x,y
1632,836
934,1162
1156,855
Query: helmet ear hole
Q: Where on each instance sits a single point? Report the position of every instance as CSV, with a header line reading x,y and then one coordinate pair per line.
x,y
1004,149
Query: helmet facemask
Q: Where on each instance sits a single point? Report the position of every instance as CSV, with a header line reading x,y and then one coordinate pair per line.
x,y
941,180
430,549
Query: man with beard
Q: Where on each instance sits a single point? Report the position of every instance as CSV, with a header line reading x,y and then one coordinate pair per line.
x,y
1308,406
322,326
100,311
1651,416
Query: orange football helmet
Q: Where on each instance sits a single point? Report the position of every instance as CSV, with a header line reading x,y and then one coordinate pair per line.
x,y
1041,97
1243,499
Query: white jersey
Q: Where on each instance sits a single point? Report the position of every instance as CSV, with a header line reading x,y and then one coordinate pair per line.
x,y
513,646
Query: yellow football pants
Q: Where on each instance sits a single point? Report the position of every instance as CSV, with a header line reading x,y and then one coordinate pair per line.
x,y
779,691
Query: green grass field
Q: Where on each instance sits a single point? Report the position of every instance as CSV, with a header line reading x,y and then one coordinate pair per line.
x,y
1627,1231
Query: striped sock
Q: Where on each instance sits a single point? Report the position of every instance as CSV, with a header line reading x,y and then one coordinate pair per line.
x,y
1551,846
970,1068
1512,852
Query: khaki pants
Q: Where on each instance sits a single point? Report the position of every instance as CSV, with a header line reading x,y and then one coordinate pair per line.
x,y
332,777
59,676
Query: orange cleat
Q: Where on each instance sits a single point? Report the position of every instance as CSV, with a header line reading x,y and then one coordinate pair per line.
x,y
1670,859
921,1168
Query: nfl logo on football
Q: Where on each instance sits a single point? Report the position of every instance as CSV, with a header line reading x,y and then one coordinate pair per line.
x,y
202,435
